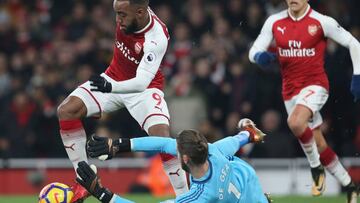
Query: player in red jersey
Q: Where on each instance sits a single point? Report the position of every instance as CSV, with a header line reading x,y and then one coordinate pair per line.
x,y
300,35
132,80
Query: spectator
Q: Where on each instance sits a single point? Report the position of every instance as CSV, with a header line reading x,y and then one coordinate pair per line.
x,y
277,142
49,47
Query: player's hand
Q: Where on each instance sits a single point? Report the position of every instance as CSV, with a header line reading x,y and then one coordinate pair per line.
x,y
100,84
355,87
91,182
105,148
264,58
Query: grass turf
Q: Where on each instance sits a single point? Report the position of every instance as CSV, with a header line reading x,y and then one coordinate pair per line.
x,y
149,199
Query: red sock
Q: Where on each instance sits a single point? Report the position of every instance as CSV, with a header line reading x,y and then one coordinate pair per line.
x,y
329,159
166,157
327,156
74,139
70,125
306,136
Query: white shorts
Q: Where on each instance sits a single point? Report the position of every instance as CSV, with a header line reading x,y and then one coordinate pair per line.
x,y
314,97
148,108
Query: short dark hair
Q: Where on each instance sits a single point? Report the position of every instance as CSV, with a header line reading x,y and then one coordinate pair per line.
x,y
194,145
139,2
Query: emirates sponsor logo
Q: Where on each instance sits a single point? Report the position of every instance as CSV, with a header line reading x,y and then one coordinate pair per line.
x,y
126,52
295,50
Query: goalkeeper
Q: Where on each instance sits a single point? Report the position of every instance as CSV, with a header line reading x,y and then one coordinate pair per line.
x,y
215,174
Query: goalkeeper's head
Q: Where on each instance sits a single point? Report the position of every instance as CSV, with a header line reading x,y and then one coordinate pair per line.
x,y
193,149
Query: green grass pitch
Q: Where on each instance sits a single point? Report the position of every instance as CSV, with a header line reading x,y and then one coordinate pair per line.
x,y
148,199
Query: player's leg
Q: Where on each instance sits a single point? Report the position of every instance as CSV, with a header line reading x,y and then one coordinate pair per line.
x,y
171,164
150,110
73,135
303,112
320,141
298,123
80,103
331,162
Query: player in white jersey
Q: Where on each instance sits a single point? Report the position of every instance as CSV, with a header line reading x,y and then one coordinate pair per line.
x,y
132,80
300,35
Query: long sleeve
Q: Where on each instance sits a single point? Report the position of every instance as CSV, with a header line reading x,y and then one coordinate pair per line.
x,y
230,145
154,50
264,39
334,31
154,144
133,85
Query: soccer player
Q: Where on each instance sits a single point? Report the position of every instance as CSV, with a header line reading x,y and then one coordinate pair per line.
x,y
132,80
215,174
300,35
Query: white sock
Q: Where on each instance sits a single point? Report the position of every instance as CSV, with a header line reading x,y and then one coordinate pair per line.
x,y
74,143
338,170
177,176
311,153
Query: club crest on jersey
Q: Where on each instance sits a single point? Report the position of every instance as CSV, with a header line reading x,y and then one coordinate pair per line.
x,y
312,29
138,47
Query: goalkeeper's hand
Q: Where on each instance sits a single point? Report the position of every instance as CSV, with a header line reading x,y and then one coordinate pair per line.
x,y
106,148
100,84
91,182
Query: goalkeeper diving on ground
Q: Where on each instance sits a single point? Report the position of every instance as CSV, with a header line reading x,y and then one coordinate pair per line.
x,y
216,175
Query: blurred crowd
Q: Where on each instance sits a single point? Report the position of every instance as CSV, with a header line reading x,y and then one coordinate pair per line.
x,y
48,48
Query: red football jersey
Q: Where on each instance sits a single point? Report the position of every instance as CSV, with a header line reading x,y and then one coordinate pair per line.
x,y
129,52
300,46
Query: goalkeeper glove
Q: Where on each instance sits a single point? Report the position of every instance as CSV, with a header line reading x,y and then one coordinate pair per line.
x,y
106,148
100,84
355,86
91,182
264,58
